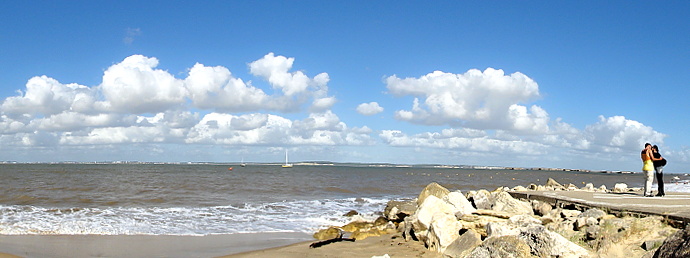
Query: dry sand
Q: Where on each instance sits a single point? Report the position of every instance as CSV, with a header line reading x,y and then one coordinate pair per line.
x,y
393,245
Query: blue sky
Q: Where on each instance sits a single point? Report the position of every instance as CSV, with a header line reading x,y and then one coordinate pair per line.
x,y
576,84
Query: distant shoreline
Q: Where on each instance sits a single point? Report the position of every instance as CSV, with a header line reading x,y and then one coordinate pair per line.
x,y
326,163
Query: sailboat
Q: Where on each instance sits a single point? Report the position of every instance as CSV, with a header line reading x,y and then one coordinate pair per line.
x,y
243,164
286,165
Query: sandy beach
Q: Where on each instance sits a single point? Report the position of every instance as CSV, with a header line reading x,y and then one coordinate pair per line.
x,y
393,245
143,246
230,246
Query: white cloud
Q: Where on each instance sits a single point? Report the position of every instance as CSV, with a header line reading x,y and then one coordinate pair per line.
x,y
275,70
216,88
615,134
369,109
475,99
46,96
134,86
138,103
322,104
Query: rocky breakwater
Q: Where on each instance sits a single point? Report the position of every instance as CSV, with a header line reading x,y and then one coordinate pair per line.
x,y
494,224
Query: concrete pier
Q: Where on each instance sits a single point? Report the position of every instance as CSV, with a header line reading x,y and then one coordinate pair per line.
x,y
674,207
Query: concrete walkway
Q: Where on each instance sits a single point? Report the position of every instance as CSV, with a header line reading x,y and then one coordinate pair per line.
x,y
675,207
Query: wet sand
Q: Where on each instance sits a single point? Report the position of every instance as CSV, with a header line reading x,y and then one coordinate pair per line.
x,y
143,246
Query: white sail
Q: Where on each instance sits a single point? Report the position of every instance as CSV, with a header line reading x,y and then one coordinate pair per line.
x,y
286,165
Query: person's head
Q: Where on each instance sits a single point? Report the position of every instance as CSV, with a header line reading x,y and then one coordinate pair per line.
x,y
647,145
655,148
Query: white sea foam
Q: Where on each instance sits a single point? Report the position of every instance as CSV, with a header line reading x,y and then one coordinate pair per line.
x,y
288,216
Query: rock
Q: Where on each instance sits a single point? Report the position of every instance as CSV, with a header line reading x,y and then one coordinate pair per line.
x,y
541,208
381,222
523,220
593,213
351,213
570,187
620,188
408,230
461,204
360,235
504,246
676,245
651,244
433,189
502,201
357,226
480,199
581,222
463,245
493,213
497,229
588,187
442,232
431,205
397,210
555,185
478,223
602,189
545,243
519,188
593,232
329,233
570,214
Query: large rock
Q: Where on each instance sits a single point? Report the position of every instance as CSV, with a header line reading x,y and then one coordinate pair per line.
x,y
502,201
398,210
443,231
423,217
620,188
676,245
461,204
433,189
480,199
498,229
545,243
328,233
463,245
511,227
551,183
502,247
541,208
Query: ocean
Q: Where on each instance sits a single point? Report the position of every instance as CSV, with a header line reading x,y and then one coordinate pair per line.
x,y
209,199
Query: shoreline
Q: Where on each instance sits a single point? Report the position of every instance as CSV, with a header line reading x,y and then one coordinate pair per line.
x,y
145,245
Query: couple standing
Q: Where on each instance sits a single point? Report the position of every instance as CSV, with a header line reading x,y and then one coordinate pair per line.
x,y
652,161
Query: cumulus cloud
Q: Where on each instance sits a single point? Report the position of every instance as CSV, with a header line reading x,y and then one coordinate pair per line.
x,y
475,99
140,103
275,69
134,86
616,134
609,136
369,109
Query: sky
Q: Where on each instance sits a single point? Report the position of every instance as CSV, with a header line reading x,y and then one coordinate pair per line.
x,y
560,84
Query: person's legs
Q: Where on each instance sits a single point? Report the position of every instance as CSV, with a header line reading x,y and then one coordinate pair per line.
x,y
649,178
660,180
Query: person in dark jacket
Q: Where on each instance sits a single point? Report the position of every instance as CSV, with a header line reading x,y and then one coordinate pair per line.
x,y
659,163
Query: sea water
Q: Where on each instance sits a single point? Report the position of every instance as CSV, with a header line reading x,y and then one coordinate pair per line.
x,y
208,199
